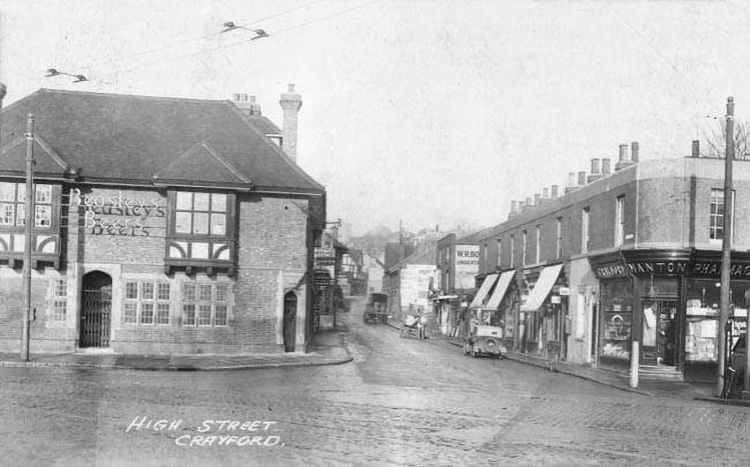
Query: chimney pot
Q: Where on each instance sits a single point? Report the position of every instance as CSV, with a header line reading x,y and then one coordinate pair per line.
x,y
581,178
634,151
605,166
554,191
696,148
624,153
595,166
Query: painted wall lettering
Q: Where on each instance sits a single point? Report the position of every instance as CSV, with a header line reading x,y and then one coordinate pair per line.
x,y
136,209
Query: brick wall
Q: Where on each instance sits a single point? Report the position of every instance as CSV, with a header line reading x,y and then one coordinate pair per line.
x,y
129,246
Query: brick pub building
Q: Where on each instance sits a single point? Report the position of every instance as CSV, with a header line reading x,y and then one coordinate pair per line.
x,y
626,255
162,225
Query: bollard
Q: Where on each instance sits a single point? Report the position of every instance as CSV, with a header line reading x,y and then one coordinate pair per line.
x,y
634,365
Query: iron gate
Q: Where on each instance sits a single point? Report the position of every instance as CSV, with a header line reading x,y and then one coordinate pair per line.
x,y
95,318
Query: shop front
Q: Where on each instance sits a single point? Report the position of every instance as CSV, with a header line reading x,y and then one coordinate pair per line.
x,y
668,301
499,310
542,315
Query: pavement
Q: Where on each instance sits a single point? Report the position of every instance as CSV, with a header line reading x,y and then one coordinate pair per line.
x,y
648,386
326,348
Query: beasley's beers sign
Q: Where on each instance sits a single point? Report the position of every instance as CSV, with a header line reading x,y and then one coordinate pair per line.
x,y
116,213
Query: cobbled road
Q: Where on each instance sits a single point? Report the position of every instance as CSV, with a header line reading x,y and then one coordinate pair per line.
x,y
400,402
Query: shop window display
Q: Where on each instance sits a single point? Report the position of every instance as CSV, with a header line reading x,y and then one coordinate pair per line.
x,y
617,317
703,304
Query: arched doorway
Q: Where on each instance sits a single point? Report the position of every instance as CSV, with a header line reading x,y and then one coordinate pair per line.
x,y
290,321
96,310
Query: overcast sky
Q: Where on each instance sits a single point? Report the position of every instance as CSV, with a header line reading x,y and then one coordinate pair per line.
x,y
432,112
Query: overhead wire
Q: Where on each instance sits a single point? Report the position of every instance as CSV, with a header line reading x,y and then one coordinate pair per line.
x,y
212,48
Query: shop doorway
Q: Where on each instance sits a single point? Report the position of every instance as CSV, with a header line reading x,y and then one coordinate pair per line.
x,y
96,310
290,320
660,324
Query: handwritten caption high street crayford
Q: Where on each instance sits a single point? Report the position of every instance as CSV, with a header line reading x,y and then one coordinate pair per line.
x,y
212,432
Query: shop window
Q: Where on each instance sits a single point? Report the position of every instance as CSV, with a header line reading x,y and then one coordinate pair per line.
x,y
146,303
617,319
205,304
702,312
58,299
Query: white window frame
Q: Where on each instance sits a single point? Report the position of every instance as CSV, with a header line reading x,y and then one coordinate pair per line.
x,y
619,220
58,300
524,246
499,253
558,245
538,247
154,300
585,215
712,229
210,297
512,251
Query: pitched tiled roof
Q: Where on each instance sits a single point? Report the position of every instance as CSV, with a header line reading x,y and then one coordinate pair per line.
x,y
124,138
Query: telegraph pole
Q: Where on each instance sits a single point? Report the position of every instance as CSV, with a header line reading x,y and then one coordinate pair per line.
x,y
28,232
726,246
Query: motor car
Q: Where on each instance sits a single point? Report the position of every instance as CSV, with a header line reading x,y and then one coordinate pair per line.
x,y
485,340
376,309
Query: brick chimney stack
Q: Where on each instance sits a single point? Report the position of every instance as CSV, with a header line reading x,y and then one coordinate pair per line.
x,y
554,191
605,166
624,160
696,148
290,102
581,178
595,175
571,182
634,151
246,104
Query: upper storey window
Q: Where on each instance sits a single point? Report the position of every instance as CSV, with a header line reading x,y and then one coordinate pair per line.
x,y
13,205
201,213
45,239
201,232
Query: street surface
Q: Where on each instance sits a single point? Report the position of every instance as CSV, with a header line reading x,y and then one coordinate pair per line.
x,y
400,402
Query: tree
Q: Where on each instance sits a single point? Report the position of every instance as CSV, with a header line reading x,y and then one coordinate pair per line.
x,y
715,138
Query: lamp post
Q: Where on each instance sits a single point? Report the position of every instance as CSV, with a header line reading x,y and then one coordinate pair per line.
x,y
726,246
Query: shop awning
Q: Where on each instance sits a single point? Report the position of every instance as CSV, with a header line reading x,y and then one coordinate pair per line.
x,y
489,281
543,285
500,289
446,297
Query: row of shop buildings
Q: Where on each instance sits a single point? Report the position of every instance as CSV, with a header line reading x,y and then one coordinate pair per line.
x,y
621,256
161,225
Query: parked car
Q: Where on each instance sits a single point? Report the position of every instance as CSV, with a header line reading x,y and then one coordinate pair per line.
x,y
485,340
376,310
